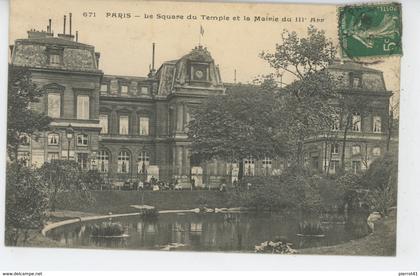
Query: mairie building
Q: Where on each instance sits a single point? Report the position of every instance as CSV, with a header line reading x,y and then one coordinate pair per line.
x,y
128,127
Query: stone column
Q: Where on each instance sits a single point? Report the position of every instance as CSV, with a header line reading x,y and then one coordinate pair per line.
x,y
180,117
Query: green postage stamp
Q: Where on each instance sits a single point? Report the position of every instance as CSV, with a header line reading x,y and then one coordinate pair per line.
x,y
370,30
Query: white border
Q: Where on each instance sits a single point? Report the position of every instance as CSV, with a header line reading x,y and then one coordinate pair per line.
x,y
408,245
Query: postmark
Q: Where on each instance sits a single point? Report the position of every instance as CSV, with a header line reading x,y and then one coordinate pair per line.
x,y
370,30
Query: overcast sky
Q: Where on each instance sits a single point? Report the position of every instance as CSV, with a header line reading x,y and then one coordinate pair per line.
x,y
125,44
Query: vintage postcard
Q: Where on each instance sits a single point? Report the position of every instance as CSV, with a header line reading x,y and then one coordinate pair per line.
x,y
203,126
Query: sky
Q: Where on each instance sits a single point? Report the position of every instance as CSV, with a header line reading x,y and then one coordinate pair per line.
x,y
124,37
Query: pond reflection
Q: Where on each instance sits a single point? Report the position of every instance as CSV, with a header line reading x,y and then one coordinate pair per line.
x,y
204,232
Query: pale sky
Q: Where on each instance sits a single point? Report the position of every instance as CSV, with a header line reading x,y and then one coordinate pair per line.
x,y
125,44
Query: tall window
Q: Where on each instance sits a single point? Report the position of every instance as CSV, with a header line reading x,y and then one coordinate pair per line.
x,y
54,105
104,88
52,156
334,166
356,166
143,162
144,125
356,122
124,90
377,124
336,125
123,162
249,166
356,149
103,122
53,139
82,139
83,107
266,164
334,148
144,90
82,159
123,124
103,161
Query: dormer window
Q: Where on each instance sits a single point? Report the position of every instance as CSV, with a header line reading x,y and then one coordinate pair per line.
x,y
55,59
355,80
124,90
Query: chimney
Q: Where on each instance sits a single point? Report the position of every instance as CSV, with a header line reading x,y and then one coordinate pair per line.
x,y
64,26
70,23
77,36
49,26
64,35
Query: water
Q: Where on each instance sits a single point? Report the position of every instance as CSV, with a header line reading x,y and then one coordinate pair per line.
x,y
202,232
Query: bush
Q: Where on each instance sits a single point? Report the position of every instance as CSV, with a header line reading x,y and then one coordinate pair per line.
x,y
26,202
107,229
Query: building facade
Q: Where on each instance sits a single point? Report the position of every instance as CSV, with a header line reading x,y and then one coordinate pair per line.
x,y
129,127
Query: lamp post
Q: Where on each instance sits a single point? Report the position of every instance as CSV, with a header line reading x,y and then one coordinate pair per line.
x,y
69,135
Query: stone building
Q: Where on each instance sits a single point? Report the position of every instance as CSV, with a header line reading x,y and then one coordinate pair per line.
x,y
366,133
130,127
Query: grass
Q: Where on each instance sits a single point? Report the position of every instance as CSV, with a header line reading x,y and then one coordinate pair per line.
x,y
120,201
382,242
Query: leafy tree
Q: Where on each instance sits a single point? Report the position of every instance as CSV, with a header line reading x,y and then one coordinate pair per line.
x,y
242,123
306,101
381,179
21,119
26,202
62,176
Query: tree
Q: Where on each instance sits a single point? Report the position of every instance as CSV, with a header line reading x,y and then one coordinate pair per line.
x,y
306,101
21,119
26,202
242,123
62,176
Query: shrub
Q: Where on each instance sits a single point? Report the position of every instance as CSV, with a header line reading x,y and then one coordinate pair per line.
x,y
26,202
107,229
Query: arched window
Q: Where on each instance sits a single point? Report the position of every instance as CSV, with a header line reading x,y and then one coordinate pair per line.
x,y
123,162
143,162
103,161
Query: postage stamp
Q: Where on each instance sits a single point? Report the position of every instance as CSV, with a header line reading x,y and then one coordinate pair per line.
x,y
370,30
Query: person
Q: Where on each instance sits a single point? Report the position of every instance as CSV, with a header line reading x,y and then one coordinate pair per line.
x,y
223,187
155,187
140,185
192,183
249,186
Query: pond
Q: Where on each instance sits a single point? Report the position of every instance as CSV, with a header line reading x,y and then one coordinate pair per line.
x,y
204,232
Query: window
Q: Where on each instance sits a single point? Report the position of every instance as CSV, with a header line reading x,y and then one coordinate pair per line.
x,y
54,105
356,149
356,122
55,59
82,159
124,124
24,157
376,124
24,140
144,126
123,162
266,164
53,139
334,148
124,90
52,156
356,166
143,162
104,88
144,90
376,151
249,166
355,80
103,123
103,161
82,139
83,107
334,166
336,125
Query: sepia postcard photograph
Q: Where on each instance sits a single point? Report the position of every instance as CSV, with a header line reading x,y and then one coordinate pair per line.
x,y
263,128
